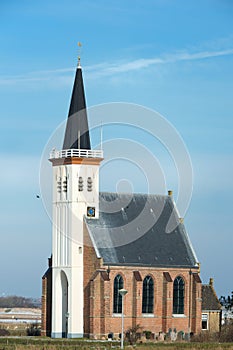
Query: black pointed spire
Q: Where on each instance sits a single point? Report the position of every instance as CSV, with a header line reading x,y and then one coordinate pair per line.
x,y
77,131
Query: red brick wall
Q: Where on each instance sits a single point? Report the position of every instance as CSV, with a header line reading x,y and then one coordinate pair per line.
x,y
103,321
91,265
196,308
46,312
99,319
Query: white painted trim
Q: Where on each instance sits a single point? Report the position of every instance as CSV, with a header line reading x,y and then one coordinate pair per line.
x,y
179,316
148,315
79,153
117,315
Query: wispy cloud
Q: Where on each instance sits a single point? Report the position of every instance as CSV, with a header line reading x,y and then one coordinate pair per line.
x,y
111,69
123,67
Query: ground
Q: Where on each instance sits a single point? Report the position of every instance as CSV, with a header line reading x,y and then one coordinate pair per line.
x,y
40,343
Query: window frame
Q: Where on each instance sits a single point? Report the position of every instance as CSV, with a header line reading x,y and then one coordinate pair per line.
x,y
148,295
205,319
118,284
178,296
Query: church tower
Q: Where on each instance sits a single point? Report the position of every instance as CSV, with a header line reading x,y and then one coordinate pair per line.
x,y
75,195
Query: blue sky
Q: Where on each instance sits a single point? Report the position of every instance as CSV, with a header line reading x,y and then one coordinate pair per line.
x,y
172,56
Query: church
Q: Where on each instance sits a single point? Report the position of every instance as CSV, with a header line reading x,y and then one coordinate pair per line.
x,y
104,242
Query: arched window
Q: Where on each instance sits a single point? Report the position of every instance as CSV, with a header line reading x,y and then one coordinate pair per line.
x,y
148,295
178,296
117,298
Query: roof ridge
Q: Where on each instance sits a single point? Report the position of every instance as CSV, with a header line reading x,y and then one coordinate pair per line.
x,y
134,194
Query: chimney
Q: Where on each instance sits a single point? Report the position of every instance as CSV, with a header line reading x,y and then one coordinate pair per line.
x,y
211,283
50,261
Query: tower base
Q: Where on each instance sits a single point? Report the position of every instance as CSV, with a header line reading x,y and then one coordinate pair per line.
x,y
59,335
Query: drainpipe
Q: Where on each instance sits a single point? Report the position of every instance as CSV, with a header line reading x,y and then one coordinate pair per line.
x,y
190,299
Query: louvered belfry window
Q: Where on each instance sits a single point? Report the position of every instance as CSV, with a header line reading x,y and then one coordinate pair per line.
x,y
148,295
80,184
89,184
117,298
178,295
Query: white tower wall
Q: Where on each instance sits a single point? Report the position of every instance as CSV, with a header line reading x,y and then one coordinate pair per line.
x,y
75,187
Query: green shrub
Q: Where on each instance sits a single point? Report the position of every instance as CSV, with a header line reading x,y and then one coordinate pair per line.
x,y
33,330
147,334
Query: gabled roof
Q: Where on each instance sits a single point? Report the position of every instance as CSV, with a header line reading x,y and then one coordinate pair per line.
x,y
47,272
210,300
77,132
140,230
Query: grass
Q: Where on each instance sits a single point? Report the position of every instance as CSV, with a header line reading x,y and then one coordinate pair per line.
x,y
40,343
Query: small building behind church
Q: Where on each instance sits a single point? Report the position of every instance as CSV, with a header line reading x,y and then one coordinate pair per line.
x,y
211,309
104,242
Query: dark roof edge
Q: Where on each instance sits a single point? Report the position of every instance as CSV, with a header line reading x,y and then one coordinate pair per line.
x,y
187,240
134,194
46,272
152,266
92,239
207,310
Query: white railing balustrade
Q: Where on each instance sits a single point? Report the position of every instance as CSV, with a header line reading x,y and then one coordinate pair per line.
x,y
80,153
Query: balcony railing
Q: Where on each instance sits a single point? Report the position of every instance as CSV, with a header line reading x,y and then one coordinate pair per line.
x,y
79,153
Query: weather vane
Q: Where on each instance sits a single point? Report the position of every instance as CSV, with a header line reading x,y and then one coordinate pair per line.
x,y
79,52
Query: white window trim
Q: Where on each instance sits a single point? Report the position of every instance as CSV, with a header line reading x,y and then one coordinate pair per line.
x,y
179,315
117,315
148,315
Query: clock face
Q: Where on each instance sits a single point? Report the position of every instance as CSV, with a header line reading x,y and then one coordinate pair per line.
x,y
91,212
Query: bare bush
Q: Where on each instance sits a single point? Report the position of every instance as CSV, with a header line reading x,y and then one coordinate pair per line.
x,y
133,334
205,337
226,334
4,332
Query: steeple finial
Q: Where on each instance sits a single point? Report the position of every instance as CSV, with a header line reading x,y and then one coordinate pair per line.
x,y
79,53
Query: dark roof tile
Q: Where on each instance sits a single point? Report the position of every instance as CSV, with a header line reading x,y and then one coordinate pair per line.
x,y
152,235
209,299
